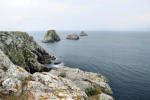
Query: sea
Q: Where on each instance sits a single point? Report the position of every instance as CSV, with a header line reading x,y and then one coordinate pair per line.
x,y
122,56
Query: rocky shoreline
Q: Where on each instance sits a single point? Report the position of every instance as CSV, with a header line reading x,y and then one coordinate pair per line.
x,y
23,75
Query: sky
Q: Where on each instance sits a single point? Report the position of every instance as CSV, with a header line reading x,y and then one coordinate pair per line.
x,y
21,15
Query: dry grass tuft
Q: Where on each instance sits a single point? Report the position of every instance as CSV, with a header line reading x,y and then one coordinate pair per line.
x,y
22,96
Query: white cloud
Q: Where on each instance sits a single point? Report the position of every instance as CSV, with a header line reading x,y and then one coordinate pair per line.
x,y
74,14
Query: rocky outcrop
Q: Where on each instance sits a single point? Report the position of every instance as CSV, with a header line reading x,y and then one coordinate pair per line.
x,y
51,36
72,37
18,51
61,84
83,33
95,85
15,81
23,51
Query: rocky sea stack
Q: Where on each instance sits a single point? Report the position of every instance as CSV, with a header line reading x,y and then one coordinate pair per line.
x,y
51,36
72,37
83,33
23,51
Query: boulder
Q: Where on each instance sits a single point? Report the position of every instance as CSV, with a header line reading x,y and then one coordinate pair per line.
x,y
72,37
23,51
51,36
83,33
92,83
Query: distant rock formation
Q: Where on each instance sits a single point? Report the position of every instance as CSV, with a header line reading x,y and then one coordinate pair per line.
x,y
83,33
24,51
51,36
72,37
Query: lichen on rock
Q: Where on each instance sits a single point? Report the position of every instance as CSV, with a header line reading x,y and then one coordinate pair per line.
x,y
24,51
92,83
37,86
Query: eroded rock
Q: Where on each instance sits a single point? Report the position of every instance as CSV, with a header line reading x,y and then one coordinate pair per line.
x,y
16,81
91,83
51,36
61,84
23,51
83,33
104,96
72,37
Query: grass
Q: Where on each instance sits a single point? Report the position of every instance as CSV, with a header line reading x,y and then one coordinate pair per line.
x,y
92,92
62,75
0,83
4,68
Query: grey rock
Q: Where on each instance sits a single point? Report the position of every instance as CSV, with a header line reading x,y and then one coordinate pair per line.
x,y
104,96
12,84
51,36
83,33
11,75
91,83
23,51
72,37
38,86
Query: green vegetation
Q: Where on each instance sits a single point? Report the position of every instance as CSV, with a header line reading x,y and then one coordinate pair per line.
x,y
92,92
62,75
1,83
25,81
4,68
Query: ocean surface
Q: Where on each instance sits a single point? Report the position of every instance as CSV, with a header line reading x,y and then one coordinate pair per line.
x,y
123,57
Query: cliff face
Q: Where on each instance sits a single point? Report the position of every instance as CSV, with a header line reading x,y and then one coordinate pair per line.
x,y
24,51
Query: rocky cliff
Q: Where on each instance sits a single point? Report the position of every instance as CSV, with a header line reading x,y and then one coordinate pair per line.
x,y
18,51
23,51
17,84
